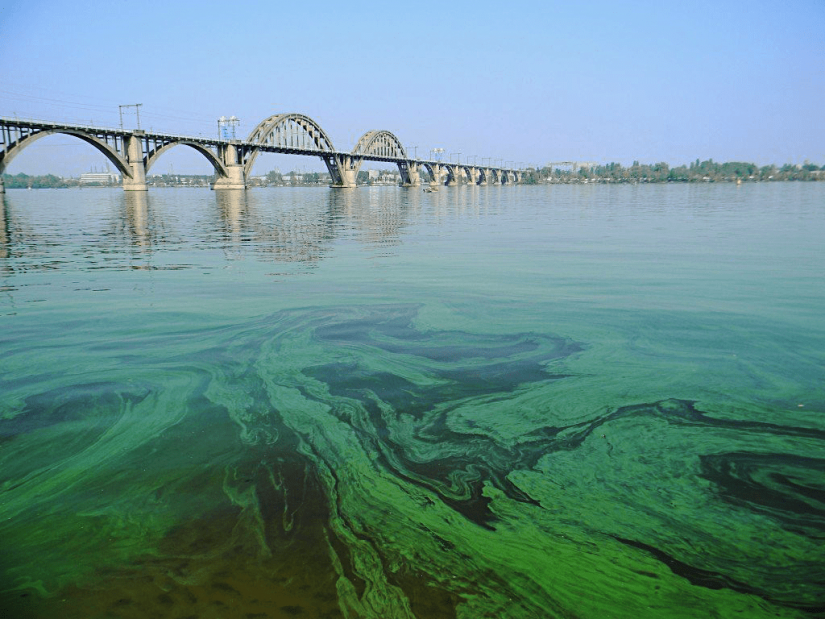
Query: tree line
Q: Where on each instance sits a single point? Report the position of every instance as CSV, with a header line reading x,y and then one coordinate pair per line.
x,y
696,171
46,181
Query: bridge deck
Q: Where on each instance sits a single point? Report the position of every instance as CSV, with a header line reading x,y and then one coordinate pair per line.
x,y
14,124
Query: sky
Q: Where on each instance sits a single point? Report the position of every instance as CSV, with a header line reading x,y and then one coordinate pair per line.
x,y
528,82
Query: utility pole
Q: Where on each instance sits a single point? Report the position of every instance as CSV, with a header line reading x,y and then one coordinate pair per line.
x,y
137,112
226,127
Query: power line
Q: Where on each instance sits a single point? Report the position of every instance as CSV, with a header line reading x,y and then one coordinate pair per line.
x,y
161,113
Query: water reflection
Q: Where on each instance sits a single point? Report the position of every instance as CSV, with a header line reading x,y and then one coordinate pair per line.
x,y
5,244
301,226
232,213
5,236
383,216
22,246
137,218
520,417
125,230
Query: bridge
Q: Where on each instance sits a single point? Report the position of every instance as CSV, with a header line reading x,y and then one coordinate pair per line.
x,y
133,152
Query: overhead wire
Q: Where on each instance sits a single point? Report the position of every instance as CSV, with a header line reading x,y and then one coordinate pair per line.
x,y
71,103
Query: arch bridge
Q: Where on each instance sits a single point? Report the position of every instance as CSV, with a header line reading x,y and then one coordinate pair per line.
x,y
133,152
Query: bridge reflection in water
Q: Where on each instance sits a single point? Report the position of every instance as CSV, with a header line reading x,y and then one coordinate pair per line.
x,y
134,152
238,223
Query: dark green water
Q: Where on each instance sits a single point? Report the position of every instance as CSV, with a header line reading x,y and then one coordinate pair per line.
x,y
485,402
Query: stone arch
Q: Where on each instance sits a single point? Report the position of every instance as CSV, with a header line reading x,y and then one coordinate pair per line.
x,y
152,157
467,172
452,173
108,151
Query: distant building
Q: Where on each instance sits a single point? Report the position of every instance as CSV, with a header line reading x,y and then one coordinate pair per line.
x,y
99,178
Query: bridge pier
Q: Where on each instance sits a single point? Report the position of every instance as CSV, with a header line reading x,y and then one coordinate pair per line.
x,y
409,173
235,176
439,176
343,171
2,184
133,145
454,175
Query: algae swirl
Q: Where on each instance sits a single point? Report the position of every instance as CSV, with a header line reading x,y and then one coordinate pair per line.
x,y
343,461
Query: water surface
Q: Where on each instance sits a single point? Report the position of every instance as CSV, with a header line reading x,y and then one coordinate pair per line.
x,y
575,401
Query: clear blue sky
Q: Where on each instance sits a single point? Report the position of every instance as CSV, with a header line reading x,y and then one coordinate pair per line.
x,y
526,81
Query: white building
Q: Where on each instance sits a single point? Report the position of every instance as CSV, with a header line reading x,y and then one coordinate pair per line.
x,y
99,178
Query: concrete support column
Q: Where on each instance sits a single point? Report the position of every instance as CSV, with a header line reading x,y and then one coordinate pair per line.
x,y
235,177
455,179
133,145
474,176
2,184
343,172
440,175
409,174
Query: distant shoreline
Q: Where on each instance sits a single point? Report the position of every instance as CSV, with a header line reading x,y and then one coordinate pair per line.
x,y
573,173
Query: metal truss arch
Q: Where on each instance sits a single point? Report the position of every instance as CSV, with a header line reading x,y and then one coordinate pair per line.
x,y
379,144
288,131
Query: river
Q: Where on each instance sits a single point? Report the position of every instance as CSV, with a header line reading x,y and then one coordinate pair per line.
x,y
523,401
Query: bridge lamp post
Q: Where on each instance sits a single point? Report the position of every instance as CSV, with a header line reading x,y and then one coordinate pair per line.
x,y
459,157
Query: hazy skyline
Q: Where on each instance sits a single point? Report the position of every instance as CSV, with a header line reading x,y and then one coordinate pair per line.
x,y
531,82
